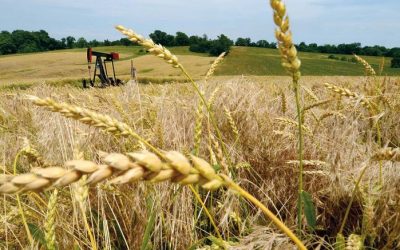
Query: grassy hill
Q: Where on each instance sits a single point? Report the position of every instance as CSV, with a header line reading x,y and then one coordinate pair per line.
x,y
260,61
71,64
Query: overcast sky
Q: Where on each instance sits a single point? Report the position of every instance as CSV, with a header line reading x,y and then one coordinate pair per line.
x,y
322,21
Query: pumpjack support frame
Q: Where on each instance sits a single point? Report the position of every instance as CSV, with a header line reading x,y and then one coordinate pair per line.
x,y
100,69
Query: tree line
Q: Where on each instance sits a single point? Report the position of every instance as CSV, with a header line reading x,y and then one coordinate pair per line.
x,y
21,41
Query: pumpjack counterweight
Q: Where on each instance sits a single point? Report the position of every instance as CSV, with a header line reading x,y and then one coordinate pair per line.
x,y
100,69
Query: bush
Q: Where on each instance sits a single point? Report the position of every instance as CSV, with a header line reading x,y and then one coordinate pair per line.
x,y
333,57
396,61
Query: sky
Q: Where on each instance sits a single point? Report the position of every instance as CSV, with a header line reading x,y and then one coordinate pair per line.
x,y
371,22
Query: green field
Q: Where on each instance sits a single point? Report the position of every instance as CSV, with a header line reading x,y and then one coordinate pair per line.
x,y
260,61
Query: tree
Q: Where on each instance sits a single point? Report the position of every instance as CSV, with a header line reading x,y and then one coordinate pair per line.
x,y
396,60
70,42
222,44
94,43
262,44
162,38
125,42
243,41
6,44
81,43
181,39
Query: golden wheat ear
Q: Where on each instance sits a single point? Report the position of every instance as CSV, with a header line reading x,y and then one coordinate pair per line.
x,y
155,49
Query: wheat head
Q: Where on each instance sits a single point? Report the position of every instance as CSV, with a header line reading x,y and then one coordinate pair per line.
x,y
288,51
214,66
123,168
155,49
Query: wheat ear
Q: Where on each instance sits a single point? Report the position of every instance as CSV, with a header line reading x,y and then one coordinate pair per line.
x,y
155,49
288,51
198,126
387,154
232,122
354,242
368,68
133,167
214,66
349,94
283,102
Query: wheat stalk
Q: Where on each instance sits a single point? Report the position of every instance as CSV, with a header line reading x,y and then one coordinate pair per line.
x,y
292,64
317,104
214,66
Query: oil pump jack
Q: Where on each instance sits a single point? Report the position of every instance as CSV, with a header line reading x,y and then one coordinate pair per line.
x,y
100,69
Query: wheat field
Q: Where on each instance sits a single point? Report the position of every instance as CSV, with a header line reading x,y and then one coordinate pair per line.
x,y
222,163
